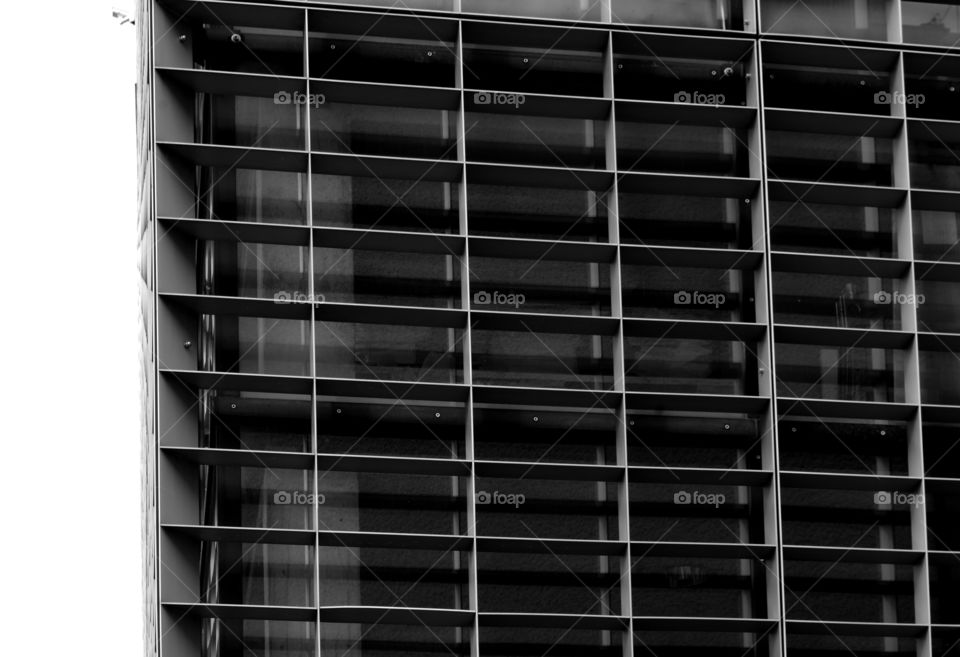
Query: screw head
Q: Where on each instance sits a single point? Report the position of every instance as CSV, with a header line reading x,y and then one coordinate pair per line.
x,y
182,38
187,344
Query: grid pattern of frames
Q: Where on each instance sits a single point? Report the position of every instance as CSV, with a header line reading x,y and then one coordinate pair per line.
x,y
476,335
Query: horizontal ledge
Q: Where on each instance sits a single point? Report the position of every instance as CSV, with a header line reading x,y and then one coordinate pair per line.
x,y
486,31
561,471
286,307
844,628
832,123
851,555
241,457
332,538
816,263
381,166
693,330
795,191
935,199
571,621
837,408
543,545
708,550
538,104
287,18
252,612
937,129
687,185
690,257
829,55
368,22
841,337
390,315
658,401
938,271
502,247
392,95
547,397
244,382
711,624
239,157
232,83
245,534
388,240
539,322
940,413
400,390
397,615
238,306
837,481
725,47
715,476
391,465
686,113
237,231
945,342
519,175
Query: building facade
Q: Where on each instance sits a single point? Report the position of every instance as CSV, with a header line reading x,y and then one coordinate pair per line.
x,y
528,328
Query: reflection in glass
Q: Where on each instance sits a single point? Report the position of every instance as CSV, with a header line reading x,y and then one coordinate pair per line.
x,y
835,300
840,19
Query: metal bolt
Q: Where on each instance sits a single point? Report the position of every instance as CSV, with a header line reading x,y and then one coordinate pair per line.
x,y
436,415
182,38
187,344
536,419
727,427
236,37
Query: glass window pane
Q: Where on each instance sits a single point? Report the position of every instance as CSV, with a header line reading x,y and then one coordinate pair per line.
x,y
699,293
713,367
685,220
540,508
807,227
394,130
935,23
725,15
387,277
936,235
846,518
830,158
832,300
550,360
537,212
689,149
848,373
380,351
839,19
695,513
536,140
423,206
540,286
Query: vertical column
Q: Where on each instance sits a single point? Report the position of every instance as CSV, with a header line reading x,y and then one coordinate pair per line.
x,y
772,516
619,357
311,291
903,225
467,348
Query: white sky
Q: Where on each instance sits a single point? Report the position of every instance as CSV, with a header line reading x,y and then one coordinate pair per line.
x,y
69,409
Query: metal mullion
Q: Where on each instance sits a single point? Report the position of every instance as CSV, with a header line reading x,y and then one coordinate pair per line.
x,y
612,204
473,594
909,322
772,512
314,428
